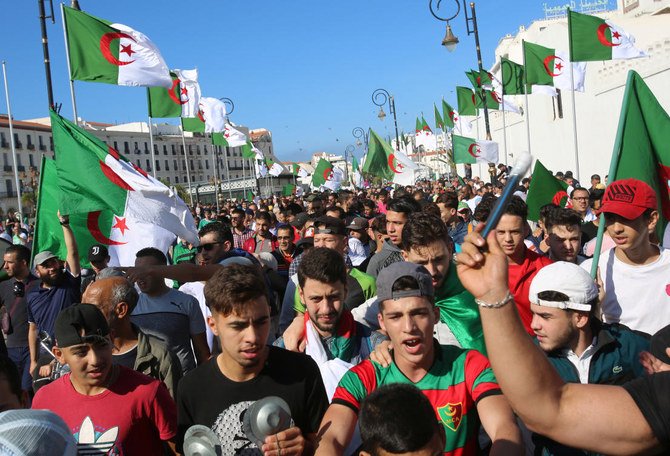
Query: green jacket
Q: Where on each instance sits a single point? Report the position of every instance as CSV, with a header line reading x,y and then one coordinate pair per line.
x,y
154,359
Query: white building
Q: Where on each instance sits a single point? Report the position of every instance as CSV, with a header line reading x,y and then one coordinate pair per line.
x,y
598,107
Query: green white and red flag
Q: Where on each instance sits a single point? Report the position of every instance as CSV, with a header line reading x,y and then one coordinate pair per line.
x,y
467,102
448,114
180,100
549,67
594,39
439,122
117,203
101,51
469,150
544,189
322,173
377,159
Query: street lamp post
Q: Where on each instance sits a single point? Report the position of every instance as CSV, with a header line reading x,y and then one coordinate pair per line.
x,y
230,107
379,98
361,137
450,41
347,151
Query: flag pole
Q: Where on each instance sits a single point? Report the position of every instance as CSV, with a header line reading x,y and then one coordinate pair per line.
x,y
574,120
614,166
188,173
11,139
502,95
230,185
151,144
216,176
244,180
69,69
525,92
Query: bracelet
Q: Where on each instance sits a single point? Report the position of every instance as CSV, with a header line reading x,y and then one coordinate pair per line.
x,y
495,305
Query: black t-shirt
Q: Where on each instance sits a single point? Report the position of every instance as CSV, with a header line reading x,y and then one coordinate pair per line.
x,y
209,398
126,359
17,308
652,396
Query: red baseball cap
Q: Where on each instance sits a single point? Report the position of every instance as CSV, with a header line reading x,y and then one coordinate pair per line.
x,y
629,198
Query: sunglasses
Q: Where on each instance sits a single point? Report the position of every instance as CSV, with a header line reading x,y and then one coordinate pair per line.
x,y
207,247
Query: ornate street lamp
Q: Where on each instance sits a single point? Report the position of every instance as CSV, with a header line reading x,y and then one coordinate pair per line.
x,y
379,98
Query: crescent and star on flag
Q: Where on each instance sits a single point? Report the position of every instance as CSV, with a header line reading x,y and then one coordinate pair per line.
x,y
105,43
394,165
603,38
553,65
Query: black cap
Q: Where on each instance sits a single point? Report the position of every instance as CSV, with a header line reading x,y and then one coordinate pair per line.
x,y
329,225
97,253
80,324
300,220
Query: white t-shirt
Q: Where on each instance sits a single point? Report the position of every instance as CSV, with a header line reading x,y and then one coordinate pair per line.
x,y
636,296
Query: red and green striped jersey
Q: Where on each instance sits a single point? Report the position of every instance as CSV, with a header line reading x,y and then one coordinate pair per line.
x,y
456,381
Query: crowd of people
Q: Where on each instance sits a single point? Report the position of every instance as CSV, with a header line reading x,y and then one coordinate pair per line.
x,y
381,317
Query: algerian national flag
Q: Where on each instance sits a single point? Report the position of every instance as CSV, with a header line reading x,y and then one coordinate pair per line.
x,y
418,127
511,77
593,39
462,126
234,136
467,103
180,100
193,124
261,169
448,114
549,67
641,144
544,189
218,139
468,150
377,161
288,189
403,168
214,114
112,53
479,81
492,100
439,123
249,151
322,173
299,171
93,177
424,126
122,235
354,163
334,181
275,169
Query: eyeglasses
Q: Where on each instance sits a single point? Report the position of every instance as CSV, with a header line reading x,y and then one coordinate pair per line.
x,y
207,247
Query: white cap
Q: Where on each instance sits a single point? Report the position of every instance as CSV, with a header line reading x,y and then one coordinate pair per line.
x,y
566,278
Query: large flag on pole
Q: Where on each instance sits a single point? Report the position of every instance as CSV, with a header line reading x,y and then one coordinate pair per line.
x,y
480,80
448,114
193,124
468,150
593,38
322,173
180,100
93,177
377,160
439,123
549,67
112,53
511,77
467,103
214,114
122,235
544,189
641,145
234,136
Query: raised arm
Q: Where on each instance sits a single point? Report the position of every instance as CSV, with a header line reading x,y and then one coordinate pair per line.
x,y
72,259
599,418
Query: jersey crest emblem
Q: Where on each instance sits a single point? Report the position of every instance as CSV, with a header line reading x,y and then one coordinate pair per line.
x,y
451,415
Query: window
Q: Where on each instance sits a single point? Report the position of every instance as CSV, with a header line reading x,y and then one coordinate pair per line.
x,y
205,147
146,148
40,140
206,164
174,162
18,161
174,150
29,143
10,191
3,141
126,149
167,166
158,165
191,164
183,164
17,143
148,165
197,149
190,149
155,148
116,146
31,160
5,160
199,164
164,149
181,148
176,179
168,179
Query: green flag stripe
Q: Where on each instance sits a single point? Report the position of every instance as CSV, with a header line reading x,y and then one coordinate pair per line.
x,y
588,37
462,147
165,103
535,57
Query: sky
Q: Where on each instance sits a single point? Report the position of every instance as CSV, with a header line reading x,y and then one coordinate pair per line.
x,y
303,69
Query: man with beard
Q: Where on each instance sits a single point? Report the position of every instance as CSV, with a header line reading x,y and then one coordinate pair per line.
x,y
333,339
564,235
59,289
